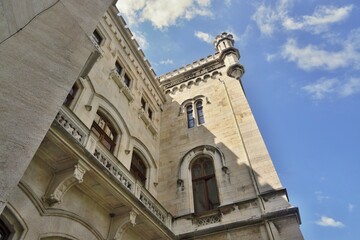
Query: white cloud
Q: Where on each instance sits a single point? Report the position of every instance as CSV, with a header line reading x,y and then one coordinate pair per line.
x,y
167,62
312,57
351,87
351,207
321,88
325,87
163,13
206,37
270,18
270,57
141,39
322,17
320,196
228,3
329,222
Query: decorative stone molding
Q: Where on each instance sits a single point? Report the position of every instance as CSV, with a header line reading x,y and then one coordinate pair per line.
x,y
114,75
132,217
149,124
206,220
96,45
63,181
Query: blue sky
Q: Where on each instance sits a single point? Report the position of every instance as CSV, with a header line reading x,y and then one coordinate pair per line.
x,y
302,61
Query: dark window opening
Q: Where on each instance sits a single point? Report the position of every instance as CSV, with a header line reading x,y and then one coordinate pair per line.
x,y
71,96
127,80
98,38
138,168
103,129
150,113
118,67
190,116
4,231
143,103
200,113
204,185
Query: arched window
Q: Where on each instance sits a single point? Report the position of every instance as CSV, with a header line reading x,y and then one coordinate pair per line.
x,y
104,130
204,185
138,168
190,116
200,113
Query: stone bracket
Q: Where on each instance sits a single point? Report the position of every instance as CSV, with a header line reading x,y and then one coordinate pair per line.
x,y
62,181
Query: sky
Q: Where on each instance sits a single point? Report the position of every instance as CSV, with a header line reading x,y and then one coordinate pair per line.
x,y
302,80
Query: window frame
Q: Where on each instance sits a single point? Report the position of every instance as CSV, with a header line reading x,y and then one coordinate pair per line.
x,y
135,170
200,112
101,133
201,161
190,116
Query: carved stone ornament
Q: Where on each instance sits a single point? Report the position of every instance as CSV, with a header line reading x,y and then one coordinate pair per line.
x,y
133,215
62,182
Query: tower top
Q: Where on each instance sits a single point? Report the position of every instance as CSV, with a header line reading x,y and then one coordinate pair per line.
x,y
223,41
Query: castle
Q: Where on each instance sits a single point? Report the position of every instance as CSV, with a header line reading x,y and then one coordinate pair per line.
x,y
132,155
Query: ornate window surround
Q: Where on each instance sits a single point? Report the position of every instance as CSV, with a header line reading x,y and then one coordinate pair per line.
x,y
184,180
193,102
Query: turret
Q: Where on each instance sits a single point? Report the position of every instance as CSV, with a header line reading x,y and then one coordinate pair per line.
x,y
224,44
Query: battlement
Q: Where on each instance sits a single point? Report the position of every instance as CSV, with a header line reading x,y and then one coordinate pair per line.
x,y
189,67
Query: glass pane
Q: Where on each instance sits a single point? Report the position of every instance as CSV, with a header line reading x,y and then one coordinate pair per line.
x,y
212,193
208,167
200,201
106,143
101,123
196,171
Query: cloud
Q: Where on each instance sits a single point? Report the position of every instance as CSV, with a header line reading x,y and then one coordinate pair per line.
x,y
351,207
324,87
321,88
313,57
349,88
141,39
206,37
268,17
322,17
320,196
167,62
329,222
163,13
270,57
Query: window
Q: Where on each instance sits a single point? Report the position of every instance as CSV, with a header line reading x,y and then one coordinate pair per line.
x,y
103,129
127,80
204,185
118,67
97,37
71,96
200,113
190,116
138,168
4,231
146,107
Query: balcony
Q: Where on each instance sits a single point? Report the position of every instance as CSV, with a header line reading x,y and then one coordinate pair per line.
x,y
96,45
114,75
114,170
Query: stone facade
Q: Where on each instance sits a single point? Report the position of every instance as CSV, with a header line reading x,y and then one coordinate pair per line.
x,y
118,160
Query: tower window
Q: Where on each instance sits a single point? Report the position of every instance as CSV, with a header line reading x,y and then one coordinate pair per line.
x,y
98,38
127,80
190,116
200,113
204,185
138,168
118,67
104,130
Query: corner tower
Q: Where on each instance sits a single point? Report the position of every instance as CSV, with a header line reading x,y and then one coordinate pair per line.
x,y
215,172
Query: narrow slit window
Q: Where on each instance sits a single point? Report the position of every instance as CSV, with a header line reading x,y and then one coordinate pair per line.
x,y
118,67
138,168
200,113
98,38
190,116
71,96
127,80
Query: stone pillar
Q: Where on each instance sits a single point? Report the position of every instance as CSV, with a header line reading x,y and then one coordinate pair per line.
x,y
43,48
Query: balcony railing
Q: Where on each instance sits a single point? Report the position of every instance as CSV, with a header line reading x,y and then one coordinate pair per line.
x,y
67,119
